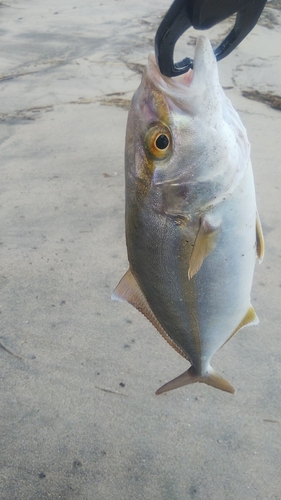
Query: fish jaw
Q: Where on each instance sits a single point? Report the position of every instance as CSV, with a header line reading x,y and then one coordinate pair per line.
x,y
196,92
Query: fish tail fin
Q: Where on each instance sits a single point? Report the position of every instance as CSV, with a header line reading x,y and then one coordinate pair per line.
x,y
215,380
189,377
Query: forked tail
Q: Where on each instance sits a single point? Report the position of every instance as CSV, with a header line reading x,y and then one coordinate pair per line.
x,y
189,377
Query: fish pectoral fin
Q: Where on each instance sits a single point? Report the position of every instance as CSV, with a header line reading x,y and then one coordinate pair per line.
x,y
205,242
259,239
128,290
250,318
189,377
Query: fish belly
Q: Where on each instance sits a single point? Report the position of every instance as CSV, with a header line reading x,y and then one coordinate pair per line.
x,y
199,314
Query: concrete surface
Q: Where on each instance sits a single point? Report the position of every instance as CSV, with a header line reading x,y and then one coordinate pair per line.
x,y
78,414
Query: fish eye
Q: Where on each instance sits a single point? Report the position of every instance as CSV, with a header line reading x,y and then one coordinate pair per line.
x,y
162,142
158,141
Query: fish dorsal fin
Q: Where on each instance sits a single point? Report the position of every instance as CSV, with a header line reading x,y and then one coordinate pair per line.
x,y
250,318
205,243
128,290
259,240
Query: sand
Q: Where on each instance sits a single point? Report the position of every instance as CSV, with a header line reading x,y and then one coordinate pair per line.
x,y
78,413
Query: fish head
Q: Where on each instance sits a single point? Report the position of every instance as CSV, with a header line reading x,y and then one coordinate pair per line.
x,y
186,148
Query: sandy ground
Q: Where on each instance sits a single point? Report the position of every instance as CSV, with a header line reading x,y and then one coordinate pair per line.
x,y
79,417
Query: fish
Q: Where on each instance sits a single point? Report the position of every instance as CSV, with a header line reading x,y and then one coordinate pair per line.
x,y
193,232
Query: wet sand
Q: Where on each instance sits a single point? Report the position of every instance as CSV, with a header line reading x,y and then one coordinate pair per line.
x,y
78,413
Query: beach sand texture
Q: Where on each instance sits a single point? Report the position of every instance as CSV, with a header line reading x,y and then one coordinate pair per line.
x,y
79,418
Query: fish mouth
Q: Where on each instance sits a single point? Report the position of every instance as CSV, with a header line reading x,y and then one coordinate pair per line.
x,y
204,75
176,83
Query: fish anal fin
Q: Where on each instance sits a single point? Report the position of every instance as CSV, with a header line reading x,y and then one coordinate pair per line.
x,y
189,377
128,290
205,242
259,239
250,318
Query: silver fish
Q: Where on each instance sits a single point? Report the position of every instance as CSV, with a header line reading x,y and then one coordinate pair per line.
x,y
192,228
